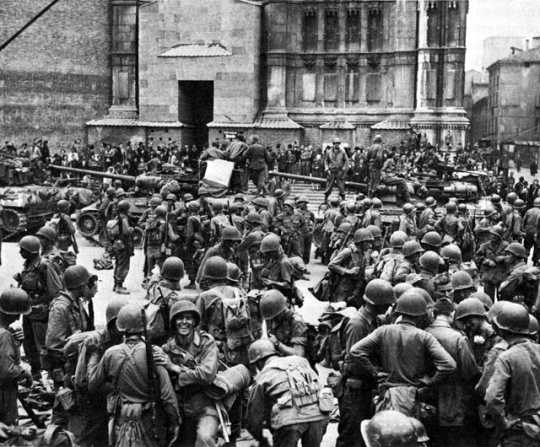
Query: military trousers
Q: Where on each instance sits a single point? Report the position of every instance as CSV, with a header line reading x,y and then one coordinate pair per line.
x,y
34,341
310,433
517,438
335,178
153,257
354,407
8,404
306,246
200,432
121,267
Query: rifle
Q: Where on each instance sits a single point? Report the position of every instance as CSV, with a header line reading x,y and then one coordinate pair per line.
x,y
224,422
38,422
150,367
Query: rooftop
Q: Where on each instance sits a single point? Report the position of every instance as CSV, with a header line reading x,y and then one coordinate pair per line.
x,y
521,57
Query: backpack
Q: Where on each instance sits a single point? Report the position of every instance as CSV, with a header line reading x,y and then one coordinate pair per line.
x,y
154,235
112,228
237,322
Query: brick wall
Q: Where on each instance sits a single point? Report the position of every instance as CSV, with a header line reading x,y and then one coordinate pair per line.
x,y
56,75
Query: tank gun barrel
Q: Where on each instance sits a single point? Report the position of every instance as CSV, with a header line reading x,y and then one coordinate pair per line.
x,y
125,178
322,181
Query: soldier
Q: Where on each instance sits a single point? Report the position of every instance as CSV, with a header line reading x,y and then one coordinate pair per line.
x,y
407,221
404,352
277,271
164,292
288,225
521,284
450,225
291,380
531,220
391,177
13,303
455,415
428,217
490,257
285,328
431,241
375,159
237,217
513,222
355,399
341,237
132,406
393,429
47,239
88,419
388,266
462,286
224,312
227,249
155,233
64,228
261,208
411,254
306,231
193,234
122,248
349,267
336,164
331,220
40,280
147,214
218,222
257,159
512,395
429,268
191,357
373,215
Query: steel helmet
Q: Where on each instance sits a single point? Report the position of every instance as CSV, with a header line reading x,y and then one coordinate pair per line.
x,y
462,208
517,250
360,196
272,303
279,193
533,326
430,201
363,235
495,198
62,206
252,239
397,239
513,318
123,206
375,231
536,202
172,269
193,206
519,204
461,280
233,272
401,287
484,298
470,307
76,276
161,211
302,199
379,292
129,318
155,201
260,349
411,248
351,206
254,218
511,197
289,202
171,197
15,301
270,242
451,207
30,244
114,306
496,309
430,261
421,434
497,230
389,428
376,203
452,252
215,268
111,192
260,201
184,306
344,227
432,238
47,232
408,208
411,303
334,201
120,192
231,234
366,203
188,197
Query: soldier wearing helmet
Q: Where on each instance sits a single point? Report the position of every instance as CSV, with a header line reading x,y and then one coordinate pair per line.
x,y
237,217
355,402
331,220
276,271
454,405
372,216
42,282
336,163
512,392
490,257
411,254
376,154
284,379
430,263
122,247
427,218
341,238
403,350
530,225
513,221
349,266
390,261
227,249
393,176
288,225
257,158
193,234
65,230
123,371
306,231
154,242
218,222
521,284
450,225
13,303
407,220
261,208
431,241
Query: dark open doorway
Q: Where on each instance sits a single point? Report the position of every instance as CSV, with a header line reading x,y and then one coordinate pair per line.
x,y
196,107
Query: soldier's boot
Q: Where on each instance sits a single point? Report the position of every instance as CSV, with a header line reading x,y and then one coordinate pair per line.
x,y
121,290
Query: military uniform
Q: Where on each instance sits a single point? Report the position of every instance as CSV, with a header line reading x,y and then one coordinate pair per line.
x,y
123,367
349,287
407,224
291,415
290,329
289,227
229,254
155,234
123,251
306,232
490,258
199,363
279,270
10,372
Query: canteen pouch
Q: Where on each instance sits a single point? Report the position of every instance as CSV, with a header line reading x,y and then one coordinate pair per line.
x,y
65,398
326,400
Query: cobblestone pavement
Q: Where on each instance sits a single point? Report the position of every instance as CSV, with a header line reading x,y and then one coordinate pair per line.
x,y
12,263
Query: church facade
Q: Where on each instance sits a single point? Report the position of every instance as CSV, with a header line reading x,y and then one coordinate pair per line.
x,y
287,70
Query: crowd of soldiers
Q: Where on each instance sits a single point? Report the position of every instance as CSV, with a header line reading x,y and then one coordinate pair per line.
x,y
435,344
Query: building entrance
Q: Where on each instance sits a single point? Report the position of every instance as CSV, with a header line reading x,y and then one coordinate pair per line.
x,y
196,108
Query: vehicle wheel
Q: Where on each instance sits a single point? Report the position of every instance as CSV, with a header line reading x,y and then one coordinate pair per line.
x,y
88,224
13,221
138,237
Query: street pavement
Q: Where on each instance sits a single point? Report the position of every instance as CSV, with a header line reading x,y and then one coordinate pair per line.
x,y
12,263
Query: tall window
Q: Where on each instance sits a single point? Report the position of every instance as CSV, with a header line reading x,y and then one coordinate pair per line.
x,y
454,24
331,30
373,88
309,30
434,25
375,29
352,85
353,29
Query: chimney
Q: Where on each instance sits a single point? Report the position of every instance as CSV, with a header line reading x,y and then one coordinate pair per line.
x,y
526,44
535,43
